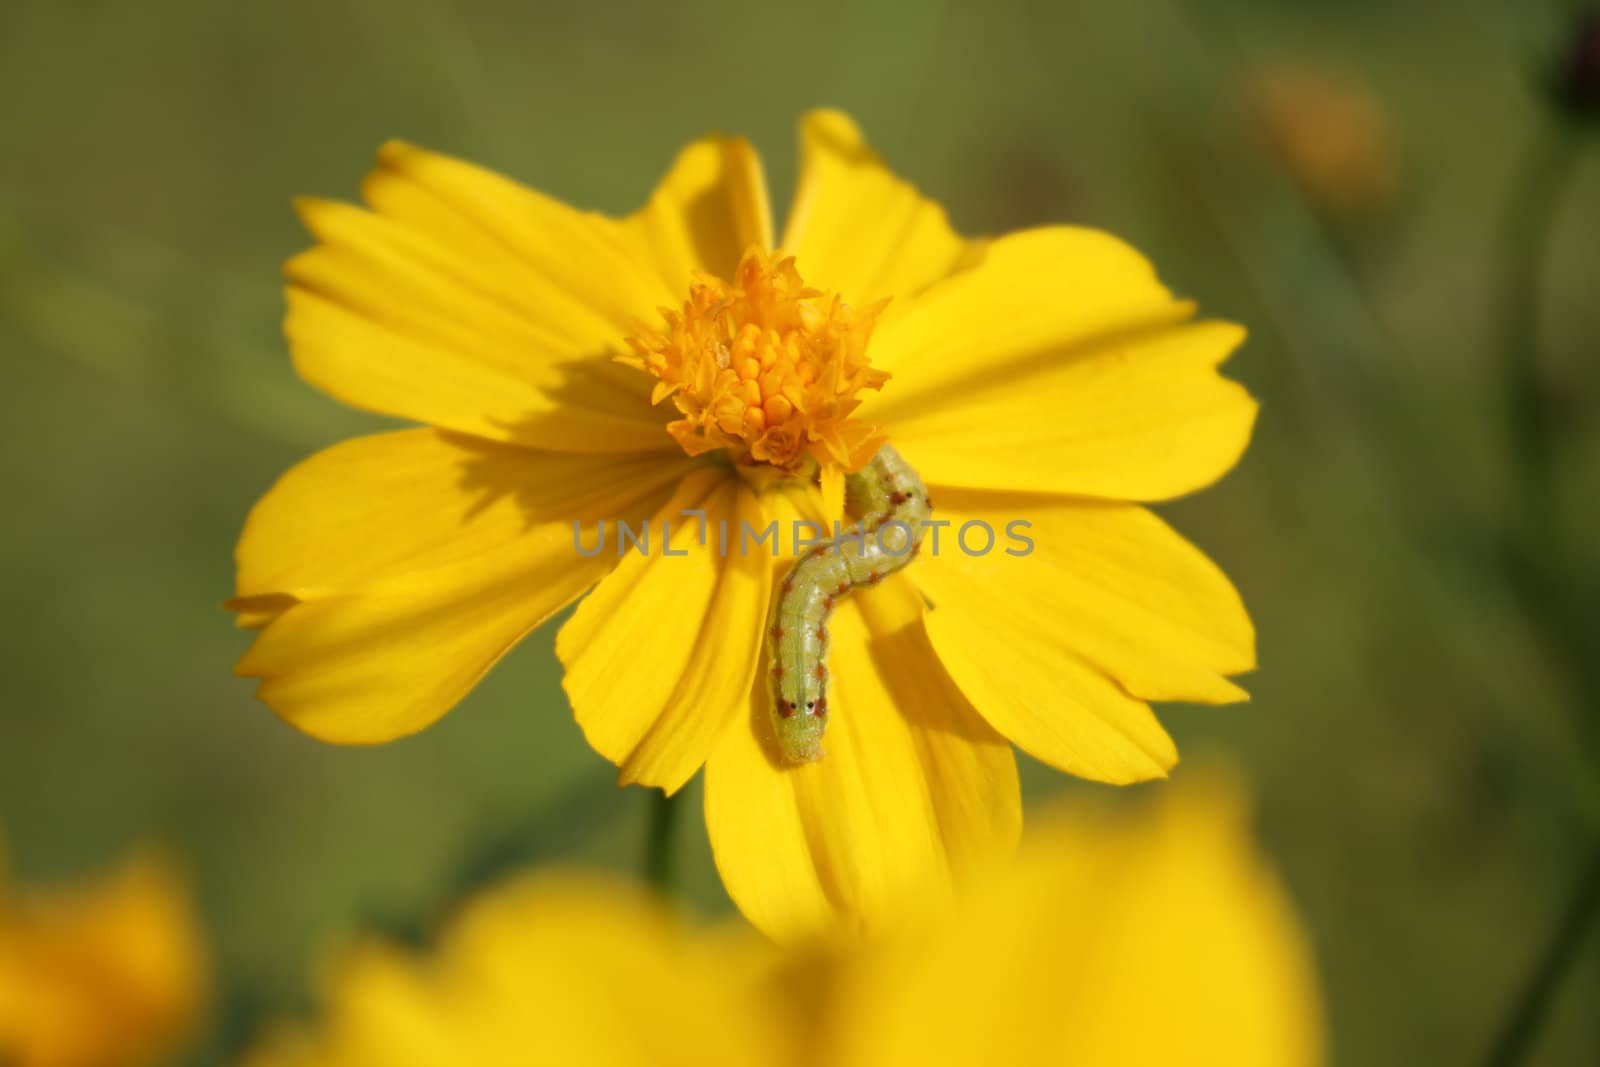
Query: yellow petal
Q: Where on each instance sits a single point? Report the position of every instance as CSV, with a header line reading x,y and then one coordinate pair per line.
x,y
415,560
469,302
1060,364
552,969
1107,585
254,612
382,1010
593,279
466,301
1140,940
379,507
710,207
605,974
831,483
857,229
659,658
914,790
1030,640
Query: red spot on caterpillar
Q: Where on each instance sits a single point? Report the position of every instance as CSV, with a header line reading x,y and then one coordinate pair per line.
x,y
821,709
896,499
785,708
873,578
844,587
777,672
928,500
788,586
777,633
827,603
822,633
822,672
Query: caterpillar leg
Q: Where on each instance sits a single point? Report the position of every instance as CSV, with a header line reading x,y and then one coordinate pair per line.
x,y
894,505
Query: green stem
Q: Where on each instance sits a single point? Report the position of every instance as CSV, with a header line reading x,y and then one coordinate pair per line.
x,y
1534,423
1530,219
659,852
1559,954
1535,553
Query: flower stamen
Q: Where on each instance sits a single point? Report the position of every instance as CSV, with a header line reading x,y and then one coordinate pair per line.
x,y
765,368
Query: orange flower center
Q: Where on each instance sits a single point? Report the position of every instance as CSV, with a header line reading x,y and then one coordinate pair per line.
x,y
765,368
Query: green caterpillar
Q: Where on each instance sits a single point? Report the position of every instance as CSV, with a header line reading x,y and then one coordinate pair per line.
x,y
893,504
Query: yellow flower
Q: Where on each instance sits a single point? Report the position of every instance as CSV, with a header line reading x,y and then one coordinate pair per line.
x,y
1155,938
102,975
576,369
560,968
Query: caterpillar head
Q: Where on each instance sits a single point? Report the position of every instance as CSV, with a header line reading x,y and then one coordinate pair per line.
x,y
800,715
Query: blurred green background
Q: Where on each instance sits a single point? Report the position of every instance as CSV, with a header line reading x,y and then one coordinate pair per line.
x,y
1423,775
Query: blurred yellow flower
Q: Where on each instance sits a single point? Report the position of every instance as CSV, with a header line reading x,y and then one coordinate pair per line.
x,y
1045,376
1155,938
108,974
561,969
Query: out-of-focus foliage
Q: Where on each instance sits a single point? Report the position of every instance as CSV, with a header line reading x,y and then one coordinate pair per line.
x,y
1422,783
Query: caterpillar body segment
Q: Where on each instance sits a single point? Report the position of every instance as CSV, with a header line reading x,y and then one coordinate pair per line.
x,y
893,504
